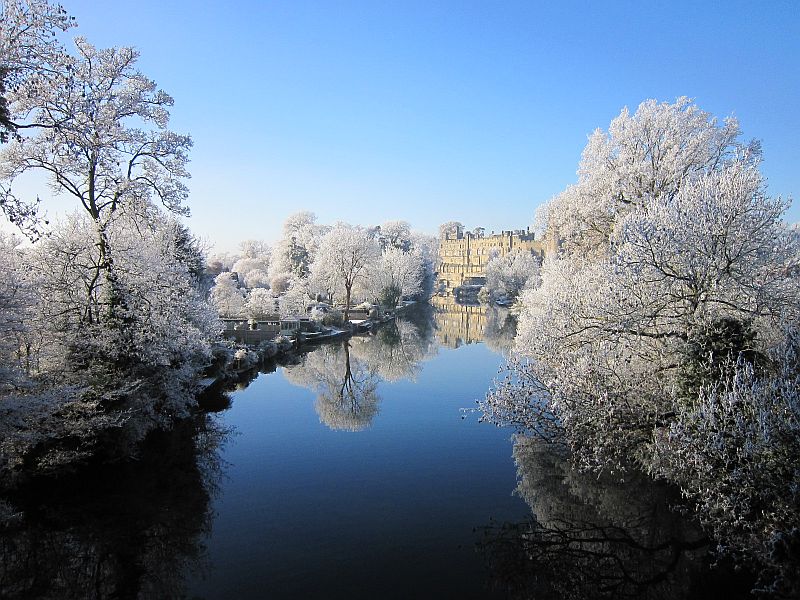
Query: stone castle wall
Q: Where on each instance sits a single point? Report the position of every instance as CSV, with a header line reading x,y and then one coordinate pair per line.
x,y
463,256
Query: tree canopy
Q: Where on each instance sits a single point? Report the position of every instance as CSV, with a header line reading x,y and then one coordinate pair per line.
x,y
674,297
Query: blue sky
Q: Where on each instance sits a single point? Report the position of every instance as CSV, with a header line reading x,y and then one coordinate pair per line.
x,y
431,111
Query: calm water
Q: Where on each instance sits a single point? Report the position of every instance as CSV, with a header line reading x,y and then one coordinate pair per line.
x,y
375,492
355,473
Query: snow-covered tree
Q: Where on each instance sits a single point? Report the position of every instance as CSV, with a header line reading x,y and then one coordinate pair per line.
x,y
16,307
398,273
100,135
506,276
643,157
395,234
624,328
734,454
260,303
219,262
428,248
165,323
280,283
636,325
344,259
28,44
227,296
253,265
258,249
295,251
295,300
450,228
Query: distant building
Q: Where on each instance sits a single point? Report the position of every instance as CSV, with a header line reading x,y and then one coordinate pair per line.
x,y
463,255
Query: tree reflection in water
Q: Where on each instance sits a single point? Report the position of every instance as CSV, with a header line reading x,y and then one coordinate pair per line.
x,y
500,330
594,538
346,376
128,530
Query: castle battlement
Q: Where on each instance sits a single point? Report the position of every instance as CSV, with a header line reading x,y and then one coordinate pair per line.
x,y
463,255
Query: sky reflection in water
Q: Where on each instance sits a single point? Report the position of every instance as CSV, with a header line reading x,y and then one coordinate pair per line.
x,y
335,495
356,473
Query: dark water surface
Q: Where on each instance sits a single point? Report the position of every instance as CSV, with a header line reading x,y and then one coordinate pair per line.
x,y
355,472
309,508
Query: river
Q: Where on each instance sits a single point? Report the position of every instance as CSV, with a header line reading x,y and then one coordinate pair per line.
x,y
358,470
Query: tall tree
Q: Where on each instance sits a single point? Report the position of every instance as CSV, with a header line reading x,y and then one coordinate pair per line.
x,y
450,228
344,259
16,305
675,296
396,234
397,274
294,252
507,275
101,136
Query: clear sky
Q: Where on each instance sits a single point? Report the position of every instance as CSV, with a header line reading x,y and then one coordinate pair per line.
x,y
431,111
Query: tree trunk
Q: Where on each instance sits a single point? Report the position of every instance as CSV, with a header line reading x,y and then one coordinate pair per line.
x,y
347,304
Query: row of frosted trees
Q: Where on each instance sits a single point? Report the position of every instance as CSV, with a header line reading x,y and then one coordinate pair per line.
x,y
341,263
663,337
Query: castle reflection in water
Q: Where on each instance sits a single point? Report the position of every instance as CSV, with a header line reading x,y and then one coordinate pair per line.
x,y
458,324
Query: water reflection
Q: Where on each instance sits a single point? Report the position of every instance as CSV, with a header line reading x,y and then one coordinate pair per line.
x,y
128,530
592,537
346,376
458,324
346,387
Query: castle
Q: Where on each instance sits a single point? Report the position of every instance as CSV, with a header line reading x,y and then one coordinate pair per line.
x,y
463,255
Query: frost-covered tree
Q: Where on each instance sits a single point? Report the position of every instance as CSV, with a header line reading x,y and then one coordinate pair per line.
x,y
166,323
344,260
506,276
428,247
16,306
253,265
280,283
257,249
395,234
28,44
295,300
397,274
227,296
295,251
260,303
451,228
99,134
219,262
643,157
734,452
637,322
625,328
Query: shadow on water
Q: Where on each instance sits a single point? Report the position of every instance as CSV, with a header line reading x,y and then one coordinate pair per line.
x,y
593,538
126,530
